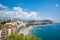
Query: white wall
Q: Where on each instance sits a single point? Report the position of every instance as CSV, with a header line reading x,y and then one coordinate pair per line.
x,y
0,33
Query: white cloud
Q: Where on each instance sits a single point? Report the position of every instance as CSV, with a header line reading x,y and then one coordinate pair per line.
x,y
18,13
2,6
26,15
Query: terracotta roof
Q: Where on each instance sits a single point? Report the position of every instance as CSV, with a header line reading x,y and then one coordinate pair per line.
x,y
8,25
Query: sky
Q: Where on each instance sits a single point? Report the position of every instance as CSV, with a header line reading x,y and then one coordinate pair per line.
x,y
30,9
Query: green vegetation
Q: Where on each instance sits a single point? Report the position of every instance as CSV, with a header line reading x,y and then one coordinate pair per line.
x,y
0,26
21,37
5,21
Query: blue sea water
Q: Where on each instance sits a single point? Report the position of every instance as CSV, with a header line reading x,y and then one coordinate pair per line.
x,y
49,32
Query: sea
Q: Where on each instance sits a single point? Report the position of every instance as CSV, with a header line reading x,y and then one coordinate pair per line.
x,y
47,32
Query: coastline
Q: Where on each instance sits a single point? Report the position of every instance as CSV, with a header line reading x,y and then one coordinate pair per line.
x,y
26,30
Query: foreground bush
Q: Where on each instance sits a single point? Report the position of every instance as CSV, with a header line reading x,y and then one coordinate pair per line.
x,y
21,37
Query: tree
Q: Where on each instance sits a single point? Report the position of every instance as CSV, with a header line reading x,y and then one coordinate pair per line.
x,y
0,26
33,37
21,37
38,39
5,21
28,37
12,37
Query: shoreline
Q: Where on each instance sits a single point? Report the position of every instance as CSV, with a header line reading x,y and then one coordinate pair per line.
x,y
26,30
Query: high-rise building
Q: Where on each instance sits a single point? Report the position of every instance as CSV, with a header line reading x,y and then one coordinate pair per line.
x,y
7,29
